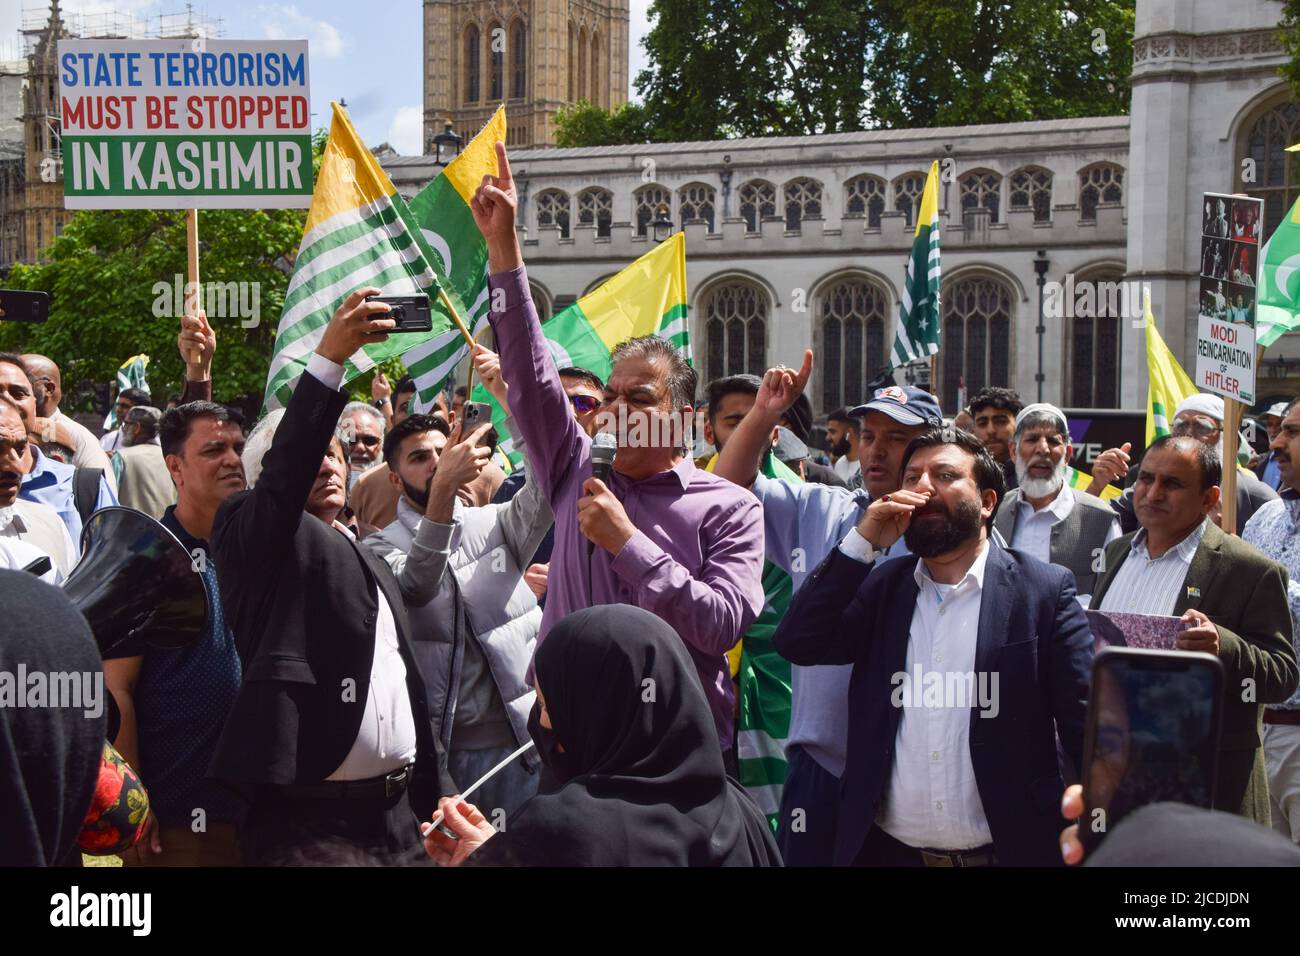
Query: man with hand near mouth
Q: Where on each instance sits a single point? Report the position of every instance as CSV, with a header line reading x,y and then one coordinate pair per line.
x,y
36,524
1044,516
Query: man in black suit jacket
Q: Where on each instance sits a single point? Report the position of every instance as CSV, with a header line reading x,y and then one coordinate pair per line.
x,y
947,779
330,736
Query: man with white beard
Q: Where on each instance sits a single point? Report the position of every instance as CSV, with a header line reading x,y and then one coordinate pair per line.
x,y
1044,516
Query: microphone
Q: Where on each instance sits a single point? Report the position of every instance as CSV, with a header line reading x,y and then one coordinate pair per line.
x,y
603,448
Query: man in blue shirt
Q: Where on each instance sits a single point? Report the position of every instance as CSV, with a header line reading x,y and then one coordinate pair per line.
x,y
802,524
174,703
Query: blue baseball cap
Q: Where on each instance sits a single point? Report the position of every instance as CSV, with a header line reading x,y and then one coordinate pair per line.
x,y
905,405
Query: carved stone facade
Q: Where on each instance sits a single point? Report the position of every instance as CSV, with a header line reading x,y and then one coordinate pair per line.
x,y
534,55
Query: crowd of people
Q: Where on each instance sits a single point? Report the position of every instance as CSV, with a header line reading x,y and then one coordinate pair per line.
x,y
393,618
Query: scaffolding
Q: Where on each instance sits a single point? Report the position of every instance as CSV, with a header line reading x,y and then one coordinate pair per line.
x,y
118,25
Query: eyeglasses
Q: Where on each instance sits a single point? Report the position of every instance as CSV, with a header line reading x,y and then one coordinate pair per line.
x,y
1196,427
370,441
584,404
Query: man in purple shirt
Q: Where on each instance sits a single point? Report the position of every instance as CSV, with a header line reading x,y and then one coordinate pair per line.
x,y
669,537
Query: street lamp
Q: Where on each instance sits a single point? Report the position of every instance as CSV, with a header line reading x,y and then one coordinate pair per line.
x,y
662,225
1040,267
446,146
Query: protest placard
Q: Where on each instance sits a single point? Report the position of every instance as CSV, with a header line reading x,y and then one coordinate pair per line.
x,y
185,124
1225,339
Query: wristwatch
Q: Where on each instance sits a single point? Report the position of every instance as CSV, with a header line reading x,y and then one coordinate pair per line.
x,y
379,402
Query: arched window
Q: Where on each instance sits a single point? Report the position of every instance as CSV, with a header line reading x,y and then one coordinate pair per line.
x,y
757,202
735,330
1277,172
595,69
907,194
695,202
541,301
519,39
981,189
803,198
1092,345
496,61
582,63
553,210
975,345
852,314
596,207
650,201
472,70
1031,188
864,196
1102,183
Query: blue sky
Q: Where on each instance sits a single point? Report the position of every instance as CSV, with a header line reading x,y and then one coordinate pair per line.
x,y
369,53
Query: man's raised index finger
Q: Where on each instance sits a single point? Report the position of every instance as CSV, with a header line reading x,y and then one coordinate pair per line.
x,y
503,167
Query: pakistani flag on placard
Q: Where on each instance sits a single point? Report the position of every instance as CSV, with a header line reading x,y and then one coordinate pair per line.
x,y
460,253
359,232
917,334
646,298
1278,307
131,374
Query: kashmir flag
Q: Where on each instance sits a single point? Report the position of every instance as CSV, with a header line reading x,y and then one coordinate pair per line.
x,y
917,334
359,232
646,298
763,676
131,374
1278,307
460,254
1080,480
1167,383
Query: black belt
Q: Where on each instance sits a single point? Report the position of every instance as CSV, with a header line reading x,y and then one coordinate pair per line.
x,y
980,856
376,788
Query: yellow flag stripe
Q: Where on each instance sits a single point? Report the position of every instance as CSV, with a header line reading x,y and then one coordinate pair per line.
x,y
479,158
929,199
350,176
635,301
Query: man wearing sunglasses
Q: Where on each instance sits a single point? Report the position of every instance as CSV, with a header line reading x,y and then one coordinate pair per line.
x,y
364,424
1200,417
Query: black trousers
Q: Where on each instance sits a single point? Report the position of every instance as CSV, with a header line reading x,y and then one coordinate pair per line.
x,y
880,849
810,806
284,830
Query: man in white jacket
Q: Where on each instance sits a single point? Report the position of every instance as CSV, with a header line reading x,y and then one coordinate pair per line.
x,y
473,618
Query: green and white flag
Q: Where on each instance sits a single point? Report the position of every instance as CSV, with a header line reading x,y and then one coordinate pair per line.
x,y
917,334
131,374
359,232
1278,307
448,229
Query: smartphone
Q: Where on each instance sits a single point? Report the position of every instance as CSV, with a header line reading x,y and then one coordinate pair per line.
x,y
410,312
1152,734
16,306
474,414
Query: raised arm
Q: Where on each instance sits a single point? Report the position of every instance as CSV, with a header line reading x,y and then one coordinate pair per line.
x,y
197,343
538,400
739,460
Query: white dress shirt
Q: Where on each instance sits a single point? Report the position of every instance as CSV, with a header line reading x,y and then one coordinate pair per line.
x,y
16,554
1146,585
386,739
1034,528
41,526
932,800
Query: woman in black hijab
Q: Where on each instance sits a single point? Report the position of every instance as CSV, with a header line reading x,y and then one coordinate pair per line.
x,y
49,756
623,726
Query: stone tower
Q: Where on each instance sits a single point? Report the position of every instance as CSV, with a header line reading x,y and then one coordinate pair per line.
x,y
43,216
534,55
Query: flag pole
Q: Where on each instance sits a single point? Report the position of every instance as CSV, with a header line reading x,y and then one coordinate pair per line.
x,y
193,295
1228,485
455,316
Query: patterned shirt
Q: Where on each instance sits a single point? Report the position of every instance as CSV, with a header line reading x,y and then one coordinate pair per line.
x,y
1275,530
1147,585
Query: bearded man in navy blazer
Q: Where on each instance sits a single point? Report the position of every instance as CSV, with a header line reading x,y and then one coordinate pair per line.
x,y
968,661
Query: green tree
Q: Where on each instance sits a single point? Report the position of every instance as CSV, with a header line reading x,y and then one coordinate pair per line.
x,y
584,124
726,68
1289,34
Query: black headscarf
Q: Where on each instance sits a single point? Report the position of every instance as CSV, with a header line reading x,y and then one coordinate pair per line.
x,y
49,756
645,781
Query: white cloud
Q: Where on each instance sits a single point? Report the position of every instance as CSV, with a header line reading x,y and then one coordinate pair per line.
x,y
406,132
283,22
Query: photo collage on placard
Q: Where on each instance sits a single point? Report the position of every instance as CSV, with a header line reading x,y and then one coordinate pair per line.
x,y
1229,258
